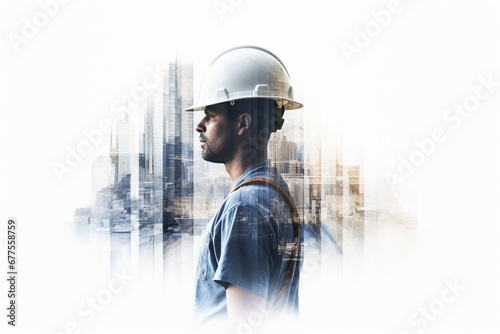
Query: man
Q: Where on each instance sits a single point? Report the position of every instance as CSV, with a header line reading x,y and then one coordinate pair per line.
x,y
250,257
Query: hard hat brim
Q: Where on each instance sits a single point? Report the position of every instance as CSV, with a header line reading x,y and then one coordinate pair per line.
x,y
288,103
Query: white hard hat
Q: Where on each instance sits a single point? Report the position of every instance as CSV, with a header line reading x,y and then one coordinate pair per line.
x,y
246,72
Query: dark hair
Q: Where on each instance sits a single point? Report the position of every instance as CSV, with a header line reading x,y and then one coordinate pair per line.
x,y
266,115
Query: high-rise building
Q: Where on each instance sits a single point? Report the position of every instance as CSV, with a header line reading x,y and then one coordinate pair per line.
x,y
296,187
123,146
283,155
103,173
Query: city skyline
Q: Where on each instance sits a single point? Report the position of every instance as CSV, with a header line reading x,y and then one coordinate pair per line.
x,y
155,185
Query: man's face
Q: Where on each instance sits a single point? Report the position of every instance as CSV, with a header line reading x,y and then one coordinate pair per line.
x,y
217,135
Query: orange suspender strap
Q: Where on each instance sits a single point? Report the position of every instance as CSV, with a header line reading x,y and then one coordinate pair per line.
x,y
297,228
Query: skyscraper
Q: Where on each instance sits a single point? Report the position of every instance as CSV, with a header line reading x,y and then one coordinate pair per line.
x,y
283,153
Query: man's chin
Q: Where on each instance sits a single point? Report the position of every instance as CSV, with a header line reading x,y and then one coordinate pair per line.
x,y
210,158
206,156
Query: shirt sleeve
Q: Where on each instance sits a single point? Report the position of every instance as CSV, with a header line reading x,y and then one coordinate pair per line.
x,y
246,250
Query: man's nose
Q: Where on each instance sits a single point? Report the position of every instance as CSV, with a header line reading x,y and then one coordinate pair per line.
x,y
200,127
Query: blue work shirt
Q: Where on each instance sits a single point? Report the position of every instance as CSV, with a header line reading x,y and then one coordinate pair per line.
x,y
245,244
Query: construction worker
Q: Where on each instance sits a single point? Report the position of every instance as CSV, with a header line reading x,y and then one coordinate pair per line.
x,y
250,257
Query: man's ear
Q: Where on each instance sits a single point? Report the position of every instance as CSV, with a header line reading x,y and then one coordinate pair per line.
x,y
244,123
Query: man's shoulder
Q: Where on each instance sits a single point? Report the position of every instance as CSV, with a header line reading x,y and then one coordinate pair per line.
x,y
236,202
257,199
251,200
235,215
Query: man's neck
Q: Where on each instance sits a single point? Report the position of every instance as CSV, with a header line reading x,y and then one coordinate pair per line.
x,y
239,165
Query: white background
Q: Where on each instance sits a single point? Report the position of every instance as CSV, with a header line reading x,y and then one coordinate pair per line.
x,y
394,91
